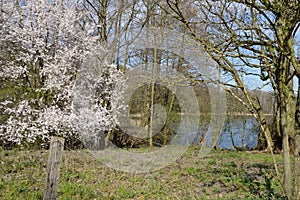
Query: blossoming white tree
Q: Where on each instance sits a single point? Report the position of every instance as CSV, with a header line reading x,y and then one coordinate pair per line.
x,y
43,47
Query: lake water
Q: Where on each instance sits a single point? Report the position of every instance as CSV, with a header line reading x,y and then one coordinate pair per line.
x,y
241,131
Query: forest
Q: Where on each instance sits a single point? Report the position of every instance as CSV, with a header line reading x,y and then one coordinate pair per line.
x,y
140,75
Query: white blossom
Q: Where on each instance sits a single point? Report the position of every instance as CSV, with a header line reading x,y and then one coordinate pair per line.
x,y
48,47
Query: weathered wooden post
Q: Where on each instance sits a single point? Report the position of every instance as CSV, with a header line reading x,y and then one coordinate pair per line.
x,y
53,168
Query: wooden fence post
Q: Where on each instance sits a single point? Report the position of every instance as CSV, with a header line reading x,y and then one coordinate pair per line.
x,y
53,168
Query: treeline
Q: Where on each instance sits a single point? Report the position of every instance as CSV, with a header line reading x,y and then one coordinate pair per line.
x,y
266,98
233,104
140,105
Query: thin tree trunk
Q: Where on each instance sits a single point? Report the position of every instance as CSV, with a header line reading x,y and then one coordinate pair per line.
x,y
151,115
152,97
167,124
102,20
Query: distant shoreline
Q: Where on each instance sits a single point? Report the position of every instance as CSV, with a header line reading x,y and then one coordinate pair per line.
x,y
227,114
237,114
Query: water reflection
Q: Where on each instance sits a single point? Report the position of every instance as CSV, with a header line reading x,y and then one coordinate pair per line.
x,y
239,131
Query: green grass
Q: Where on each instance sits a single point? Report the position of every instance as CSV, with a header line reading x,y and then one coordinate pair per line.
x,y
221,174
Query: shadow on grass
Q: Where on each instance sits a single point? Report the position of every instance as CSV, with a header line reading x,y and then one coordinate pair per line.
x,y
260,177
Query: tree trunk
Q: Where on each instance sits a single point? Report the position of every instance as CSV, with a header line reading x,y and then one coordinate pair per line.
x,y
296,190
166,130
286,164
286,121
296,193
102,20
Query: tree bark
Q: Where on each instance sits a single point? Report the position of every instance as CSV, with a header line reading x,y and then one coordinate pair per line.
x,y
296,174
296,190
102,22
286,119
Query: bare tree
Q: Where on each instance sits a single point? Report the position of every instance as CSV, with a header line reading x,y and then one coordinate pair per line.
x,y
253,38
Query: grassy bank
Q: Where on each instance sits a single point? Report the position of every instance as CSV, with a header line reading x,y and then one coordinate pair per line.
x,y
222,174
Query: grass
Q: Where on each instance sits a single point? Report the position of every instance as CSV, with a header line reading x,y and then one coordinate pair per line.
x,y
222,174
